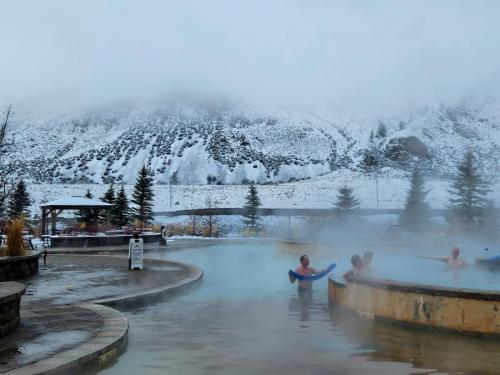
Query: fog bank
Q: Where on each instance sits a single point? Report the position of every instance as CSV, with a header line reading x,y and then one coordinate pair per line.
x,y
366,56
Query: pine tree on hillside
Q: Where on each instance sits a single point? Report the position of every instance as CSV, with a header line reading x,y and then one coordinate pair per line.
x,y
108,197
19,201
120,215
469,193
346,199
87,216
142,197
174,180
416,209
381,130
251,207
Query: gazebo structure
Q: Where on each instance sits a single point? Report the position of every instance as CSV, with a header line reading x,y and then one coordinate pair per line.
x,y
54,208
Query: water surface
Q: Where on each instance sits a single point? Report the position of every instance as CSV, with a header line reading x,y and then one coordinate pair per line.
x,y
245,317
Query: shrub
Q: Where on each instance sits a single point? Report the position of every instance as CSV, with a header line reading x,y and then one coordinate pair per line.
x,y
15,246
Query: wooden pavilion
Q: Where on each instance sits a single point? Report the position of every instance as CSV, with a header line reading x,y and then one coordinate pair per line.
x,y
54,208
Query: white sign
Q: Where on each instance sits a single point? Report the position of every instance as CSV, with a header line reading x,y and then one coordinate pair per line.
x,y
135,253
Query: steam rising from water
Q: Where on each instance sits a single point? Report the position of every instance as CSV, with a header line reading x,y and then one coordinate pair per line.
x,y
397,252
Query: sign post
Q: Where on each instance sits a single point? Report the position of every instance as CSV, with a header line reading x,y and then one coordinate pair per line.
x,y
136,253
164,235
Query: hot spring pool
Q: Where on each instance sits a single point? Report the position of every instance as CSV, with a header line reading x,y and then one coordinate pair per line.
x,y
245,317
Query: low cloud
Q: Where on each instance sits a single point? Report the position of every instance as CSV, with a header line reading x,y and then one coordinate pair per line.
x,y
342,55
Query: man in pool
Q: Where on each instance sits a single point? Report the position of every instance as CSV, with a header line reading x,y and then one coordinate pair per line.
x,y
304,270
357,267
454,261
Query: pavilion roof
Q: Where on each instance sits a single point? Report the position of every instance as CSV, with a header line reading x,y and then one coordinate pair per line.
x,y
75,203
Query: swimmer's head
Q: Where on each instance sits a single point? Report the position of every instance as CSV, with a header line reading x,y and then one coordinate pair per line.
x,y
455,252
304,260
356,261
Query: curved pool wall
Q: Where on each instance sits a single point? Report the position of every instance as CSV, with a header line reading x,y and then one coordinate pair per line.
x,y
462,310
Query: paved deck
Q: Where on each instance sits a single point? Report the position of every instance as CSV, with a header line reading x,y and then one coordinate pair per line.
x,y
58,314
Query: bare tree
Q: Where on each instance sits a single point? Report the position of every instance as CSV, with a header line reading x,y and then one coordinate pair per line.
x,y
211,220
6,166
192,221
3,129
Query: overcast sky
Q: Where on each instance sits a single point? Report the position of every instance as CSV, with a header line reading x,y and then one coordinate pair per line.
x,y
344,55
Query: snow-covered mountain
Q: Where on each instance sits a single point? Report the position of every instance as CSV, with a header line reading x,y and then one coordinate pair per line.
x,y
223,146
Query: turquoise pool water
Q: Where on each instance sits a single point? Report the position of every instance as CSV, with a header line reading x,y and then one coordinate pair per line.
x,y
245,317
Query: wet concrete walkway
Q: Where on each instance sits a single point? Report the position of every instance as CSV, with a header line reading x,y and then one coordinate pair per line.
x,y
53,318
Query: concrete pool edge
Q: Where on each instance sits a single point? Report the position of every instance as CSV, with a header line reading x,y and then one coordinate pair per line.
x,y
98,350
467,311
109,342
195,274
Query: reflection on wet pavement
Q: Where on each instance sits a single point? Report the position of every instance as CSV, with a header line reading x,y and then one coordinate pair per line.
x,y
51,321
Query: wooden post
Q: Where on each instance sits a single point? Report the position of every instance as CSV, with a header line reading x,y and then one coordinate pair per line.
x,y
44,222
108,219
53,217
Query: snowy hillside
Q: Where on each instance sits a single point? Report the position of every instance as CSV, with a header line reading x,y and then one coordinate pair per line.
x,y
200,146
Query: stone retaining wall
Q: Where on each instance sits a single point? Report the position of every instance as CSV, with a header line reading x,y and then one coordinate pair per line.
x,y
93,241
10,299
12,268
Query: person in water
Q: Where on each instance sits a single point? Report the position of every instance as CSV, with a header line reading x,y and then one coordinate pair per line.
x,y
357,267
304,270
367,261
454,261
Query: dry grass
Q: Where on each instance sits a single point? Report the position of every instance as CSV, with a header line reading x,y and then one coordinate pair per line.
x,y
15,246
186,229
214,233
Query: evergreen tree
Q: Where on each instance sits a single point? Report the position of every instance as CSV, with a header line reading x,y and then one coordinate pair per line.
x,y
251,207
174,180
416,209
87,216
121,211
108,197
346,199
469,193
142,197
381,130
19,201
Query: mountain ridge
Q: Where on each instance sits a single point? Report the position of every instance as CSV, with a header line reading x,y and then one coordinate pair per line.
x,y
229,145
